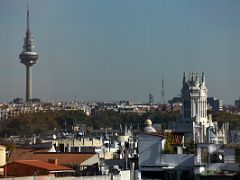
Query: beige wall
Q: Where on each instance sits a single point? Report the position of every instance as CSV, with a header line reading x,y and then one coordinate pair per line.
x,y
106,155
2,157
76,142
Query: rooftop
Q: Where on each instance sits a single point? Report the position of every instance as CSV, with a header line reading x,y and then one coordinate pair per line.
x,y
43,165
43,155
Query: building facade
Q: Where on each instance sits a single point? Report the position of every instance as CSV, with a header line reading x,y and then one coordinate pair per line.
x,y
195,123
216,104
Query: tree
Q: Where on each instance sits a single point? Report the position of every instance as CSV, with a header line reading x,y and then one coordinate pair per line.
x,y
168,148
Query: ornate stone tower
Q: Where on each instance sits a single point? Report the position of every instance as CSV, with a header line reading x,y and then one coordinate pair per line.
x,y
194,110
28,57
194,96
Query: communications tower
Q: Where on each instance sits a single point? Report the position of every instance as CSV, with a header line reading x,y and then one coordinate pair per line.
x,y
28,57
162,93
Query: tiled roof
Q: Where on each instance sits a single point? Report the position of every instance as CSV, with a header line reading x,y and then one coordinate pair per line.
x,y
43,165
64,158
43,155
23,153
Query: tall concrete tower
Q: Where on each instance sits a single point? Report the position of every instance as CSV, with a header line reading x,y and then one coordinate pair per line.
x,y
28,57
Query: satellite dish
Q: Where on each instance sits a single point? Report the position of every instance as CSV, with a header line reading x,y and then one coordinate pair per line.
x,y
54,136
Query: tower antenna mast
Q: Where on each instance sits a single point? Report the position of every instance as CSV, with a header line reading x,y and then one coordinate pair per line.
x,y
162,93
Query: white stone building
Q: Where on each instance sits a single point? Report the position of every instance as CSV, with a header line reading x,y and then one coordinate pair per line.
x,y
195,122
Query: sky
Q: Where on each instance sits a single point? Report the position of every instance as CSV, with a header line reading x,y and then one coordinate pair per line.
x,y
119,50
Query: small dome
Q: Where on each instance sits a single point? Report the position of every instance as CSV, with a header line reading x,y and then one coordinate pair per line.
x,y
148,122
149,128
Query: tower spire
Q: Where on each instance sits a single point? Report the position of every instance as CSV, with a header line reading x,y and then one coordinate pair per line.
x,y
28,33
184,77
203,78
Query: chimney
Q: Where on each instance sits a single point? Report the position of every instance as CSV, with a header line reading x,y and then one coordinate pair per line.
x,y
53,161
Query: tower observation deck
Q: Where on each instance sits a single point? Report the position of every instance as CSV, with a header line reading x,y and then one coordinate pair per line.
x,y
28,57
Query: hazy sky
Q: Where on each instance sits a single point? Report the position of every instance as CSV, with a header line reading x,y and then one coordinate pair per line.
x,y
119,50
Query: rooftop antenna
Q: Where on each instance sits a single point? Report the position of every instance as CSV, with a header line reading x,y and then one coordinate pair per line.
x,y
162,93
150,99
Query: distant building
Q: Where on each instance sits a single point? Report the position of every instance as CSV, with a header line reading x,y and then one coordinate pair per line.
x,y
4,112
175,100
237,103
18,101
216,104
234,137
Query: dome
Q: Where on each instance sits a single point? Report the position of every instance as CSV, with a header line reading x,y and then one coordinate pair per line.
x,y
149,128
148,122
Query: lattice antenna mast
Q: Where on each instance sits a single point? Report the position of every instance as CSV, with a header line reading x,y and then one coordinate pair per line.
x,y
150,98
162,92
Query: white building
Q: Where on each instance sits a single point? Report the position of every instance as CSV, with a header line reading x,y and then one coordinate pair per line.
x,y
154,163
195,122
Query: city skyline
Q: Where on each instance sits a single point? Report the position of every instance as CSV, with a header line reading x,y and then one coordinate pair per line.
x,y
105,50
